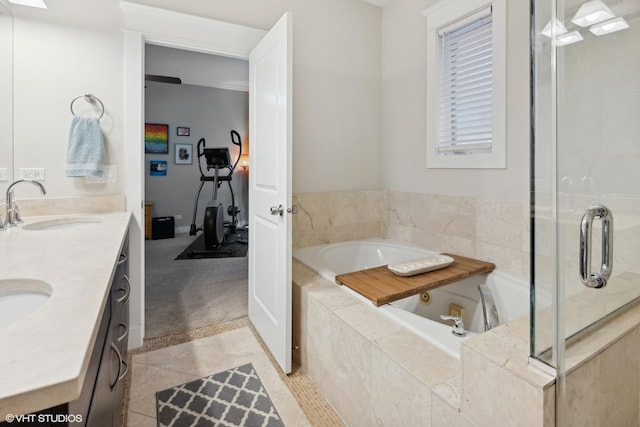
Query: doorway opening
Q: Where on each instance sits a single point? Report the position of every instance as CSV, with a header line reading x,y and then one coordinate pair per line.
x,y
188,97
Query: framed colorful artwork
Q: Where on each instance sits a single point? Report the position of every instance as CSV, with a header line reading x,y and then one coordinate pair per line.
x,y
156,138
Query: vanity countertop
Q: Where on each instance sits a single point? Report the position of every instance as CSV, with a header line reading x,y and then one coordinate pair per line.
x,y
45,355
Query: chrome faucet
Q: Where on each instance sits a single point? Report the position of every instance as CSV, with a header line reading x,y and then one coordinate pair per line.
x,y
13,213
458,325
489,309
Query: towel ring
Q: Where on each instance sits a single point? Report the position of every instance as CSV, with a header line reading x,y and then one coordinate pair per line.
x,y
90,99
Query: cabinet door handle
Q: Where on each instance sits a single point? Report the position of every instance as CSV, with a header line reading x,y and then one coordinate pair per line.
x,y
121,363
127,290
123,259
115,348
124,334
126,369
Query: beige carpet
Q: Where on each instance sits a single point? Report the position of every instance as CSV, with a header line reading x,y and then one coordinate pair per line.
x,y
186,294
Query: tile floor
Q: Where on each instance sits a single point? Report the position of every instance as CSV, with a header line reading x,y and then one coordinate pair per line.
x,y
174,360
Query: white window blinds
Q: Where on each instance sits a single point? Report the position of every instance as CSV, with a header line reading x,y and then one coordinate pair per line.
x,y
465,101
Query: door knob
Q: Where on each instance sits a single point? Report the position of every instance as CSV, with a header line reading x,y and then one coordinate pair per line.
x,y
277,210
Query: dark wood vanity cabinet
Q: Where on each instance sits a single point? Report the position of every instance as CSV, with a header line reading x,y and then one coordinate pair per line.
x,y
120,330
108,393
102,398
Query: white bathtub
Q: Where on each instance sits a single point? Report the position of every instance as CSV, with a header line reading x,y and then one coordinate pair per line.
x,y
510,293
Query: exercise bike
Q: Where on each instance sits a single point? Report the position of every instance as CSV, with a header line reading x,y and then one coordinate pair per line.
x,y
218,159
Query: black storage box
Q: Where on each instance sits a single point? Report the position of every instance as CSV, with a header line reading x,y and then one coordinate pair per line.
x,y
163,227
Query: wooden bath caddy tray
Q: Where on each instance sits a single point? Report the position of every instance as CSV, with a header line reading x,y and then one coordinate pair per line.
x,y
381,286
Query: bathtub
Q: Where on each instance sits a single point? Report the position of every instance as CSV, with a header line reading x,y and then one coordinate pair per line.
x,y
511,294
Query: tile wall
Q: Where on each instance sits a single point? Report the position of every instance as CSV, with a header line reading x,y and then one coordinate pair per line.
x,y
491,230
487,229
374,372
603,391
332,217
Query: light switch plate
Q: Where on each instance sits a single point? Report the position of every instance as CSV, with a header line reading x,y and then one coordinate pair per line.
x,y
4,174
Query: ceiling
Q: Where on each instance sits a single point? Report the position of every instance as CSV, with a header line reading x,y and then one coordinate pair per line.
x,y
93,14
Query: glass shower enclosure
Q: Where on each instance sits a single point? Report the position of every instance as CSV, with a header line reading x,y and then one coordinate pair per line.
x,y
585,222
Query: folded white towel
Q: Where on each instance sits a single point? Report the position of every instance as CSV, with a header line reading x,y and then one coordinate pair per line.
x,y
85,152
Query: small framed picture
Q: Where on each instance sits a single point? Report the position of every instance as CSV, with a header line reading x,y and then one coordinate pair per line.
x,y
184,131
158,167
184,154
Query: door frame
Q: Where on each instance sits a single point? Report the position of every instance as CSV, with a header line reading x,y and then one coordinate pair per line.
x,y
142,25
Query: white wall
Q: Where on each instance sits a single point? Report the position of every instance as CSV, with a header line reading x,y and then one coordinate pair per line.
x,y
338,104
404,109
53,64
6,94
336,86
350,133
336,92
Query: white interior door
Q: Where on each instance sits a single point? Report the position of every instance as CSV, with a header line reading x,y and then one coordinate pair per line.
x,y
270,128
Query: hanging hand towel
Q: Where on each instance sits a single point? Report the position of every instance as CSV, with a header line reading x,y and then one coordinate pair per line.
x,y
85,153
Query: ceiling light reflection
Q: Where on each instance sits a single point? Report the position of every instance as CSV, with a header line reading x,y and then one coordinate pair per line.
x,y
610,26
592,12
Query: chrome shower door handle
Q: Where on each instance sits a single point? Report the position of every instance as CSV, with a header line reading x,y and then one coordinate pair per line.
x,y
589,279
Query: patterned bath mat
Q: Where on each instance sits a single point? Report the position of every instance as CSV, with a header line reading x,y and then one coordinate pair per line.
x,y
231,398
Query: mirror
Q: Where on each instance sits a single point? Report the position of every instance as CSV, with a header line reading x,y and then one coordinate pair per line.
x,y
6,98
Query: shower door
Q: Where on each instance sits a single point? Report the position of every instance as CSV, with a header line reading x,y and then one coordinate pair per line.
x,y
585,170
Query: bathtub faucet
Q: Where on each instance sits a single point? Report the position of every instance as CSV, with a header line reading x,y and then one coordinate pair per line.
x,y
458,325
489,309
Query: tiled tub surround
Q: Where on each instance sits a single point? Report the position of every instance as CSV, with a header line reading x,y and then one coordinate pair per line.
x,y
491,230
47,352
374,372
511,294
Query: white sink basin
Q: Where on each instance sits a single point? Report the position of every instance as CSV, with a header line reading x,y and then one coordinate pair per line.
x,y
61,223
20,297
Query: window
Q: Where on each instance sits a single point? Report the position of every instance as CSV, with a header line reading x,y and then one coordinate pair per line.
x,y
466,84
